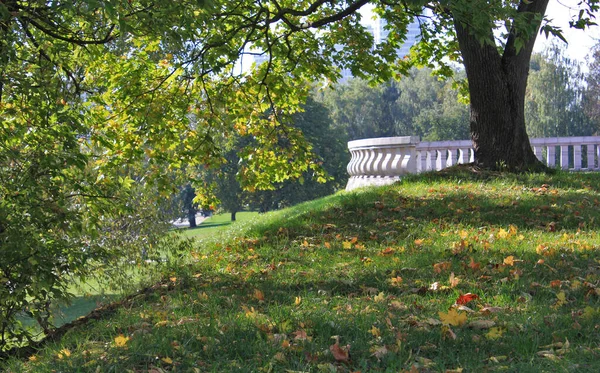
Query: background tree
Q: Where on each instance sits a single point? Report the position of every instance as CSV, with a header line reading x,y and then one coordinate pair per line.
x,y
591,101
554,100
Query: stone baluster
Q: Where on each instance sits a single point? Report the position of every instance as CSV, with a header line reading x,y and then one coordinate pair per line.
x,y
577,157
381,161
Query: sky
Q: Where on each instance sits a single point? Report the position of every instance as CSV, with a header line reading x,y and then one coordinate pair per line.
x,y
580,41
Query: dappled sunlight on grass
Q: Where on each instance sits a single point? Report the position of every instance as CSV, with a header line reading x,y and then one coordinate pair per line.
x,y
431,274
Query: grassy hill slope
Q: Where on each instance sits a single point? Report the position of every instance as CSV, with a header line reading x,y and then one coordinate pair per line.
x,y
440,272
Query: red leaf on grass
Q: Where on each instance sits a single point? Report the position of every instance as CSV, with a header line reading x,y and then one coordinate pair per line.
x,y
466,298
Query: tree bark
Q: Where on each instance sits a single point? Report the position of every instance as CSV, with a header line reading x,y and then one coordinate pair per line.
x,y
233,215
192,219
497,90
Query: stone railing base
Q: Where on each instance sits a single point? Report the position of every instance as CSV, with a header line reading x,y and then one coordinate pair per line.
x,y
362,181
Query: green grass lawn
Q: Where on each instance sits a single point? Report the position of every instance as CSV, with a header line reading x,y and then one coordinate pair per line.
x,y
217,224
438,273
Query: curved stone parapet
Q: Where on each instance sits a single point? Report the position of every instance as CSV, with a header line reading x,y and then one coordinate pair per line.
x,y
381,161
384,160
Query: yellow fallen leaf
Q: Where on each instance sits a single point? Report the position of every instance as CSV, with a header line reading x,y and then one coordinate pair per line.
x,y
494,333
509,260
167,360
502,233
298,301
379,297
347,245
64,353
375,331
32,358
453,318
121,340
259,295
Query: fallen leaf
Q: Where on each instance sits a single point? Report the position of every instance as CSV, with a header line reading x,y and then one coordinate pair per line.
x,y
167,360
297,301
453,280
448,333
375,331
64,353
340,353
494,333
121,340
502,233
488,310
419,242
379,297
466,298
443,266
259,295
379,352
279,357
509,260
300,335
347,245
555,283
327,245
453,318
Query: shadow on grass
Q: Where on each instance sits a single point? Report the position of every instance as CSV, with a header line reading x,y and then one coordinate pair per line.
x,y
209,225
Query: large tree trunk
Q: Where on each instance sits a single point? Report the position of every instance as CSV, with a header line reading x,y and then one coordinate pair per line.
x,y
233,215
497,89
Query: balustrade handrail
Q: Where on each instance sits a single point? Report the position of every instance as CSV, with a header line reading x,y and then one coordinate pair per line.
x,y
384,160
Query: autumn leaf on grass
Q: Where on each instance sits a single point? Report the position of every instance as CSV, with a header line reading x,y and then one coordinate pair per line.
x,y
259,295
347,245
442,266
340,353
466,298
453,280
297,301
474,265
502,233
379,297
419,242
167,360
65,352
453,318
448,333
494,333
509,260
121,340
375,331
561,299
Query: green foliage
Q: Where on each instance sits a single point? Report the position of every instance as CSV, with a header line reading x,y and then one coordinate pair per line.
x,y
554,98
591,99
418,105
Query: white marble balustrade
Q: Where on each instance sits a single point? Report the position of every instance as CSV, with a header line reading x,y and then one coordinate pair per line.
x,y
384,160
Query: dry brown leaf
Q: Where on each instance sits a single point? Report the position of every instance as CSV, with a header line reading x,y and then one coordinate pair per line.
x,y
340,353
481,324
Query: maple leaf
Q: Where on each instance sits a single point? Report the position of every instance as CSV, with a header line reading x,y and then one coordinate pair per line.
x,y
121,340
466,298
327,245
347,245
502,233
340,353
453,318
555,283
375,331
419,242
509,260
